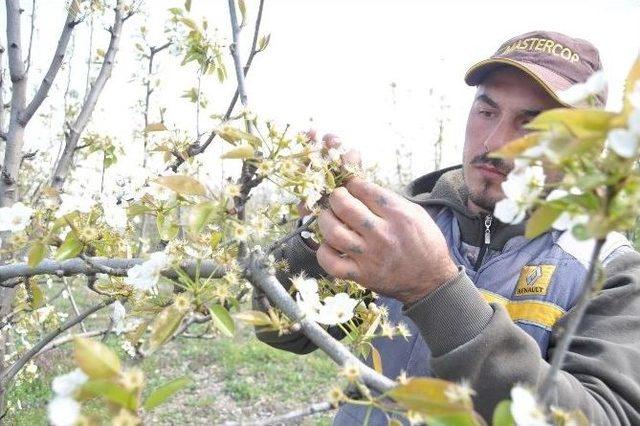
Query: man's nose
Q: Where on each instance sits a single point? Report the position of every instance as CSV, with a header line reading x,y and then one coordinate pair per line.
x,y
502,134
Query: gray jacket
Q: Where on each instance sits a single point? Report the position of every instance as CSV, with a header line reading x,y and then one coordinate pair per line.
x,y
496,324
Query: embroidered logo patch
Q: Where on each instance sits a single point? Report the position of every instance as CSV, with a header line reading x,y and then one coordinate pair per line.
x,y
534,280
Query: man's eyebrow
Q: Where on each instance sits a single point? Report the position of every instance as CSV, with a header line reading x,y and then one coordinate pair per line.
x,y
487,100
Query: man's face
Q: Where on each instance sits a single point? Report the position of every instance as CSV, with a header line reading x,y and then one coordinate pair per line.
x,y
505,101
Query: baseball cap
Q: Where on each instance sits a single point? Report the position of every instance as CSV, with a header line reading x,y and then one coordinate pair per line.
x,y
554,60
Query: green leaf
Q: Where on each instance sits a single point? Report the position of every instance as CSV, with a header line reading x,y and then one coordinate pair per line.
x,y
454,419
502,414
241,152
71,247
200,215
215,239
37,252
581,122
155,127
377,360
137,209
35,295
187,5
222,320
257,318
427,395
264,42
233,135
165,324
163,392
184,185
632,77
167,229
95,359
112,392
541,220
517,147
189,23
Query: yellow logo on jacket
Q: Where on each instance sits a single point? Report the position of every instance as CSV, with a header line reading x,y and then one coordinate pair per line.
x,y
534,280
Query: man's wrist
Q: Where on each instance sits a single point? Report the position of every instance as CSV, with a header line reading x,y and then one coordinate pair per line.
x,y
449,273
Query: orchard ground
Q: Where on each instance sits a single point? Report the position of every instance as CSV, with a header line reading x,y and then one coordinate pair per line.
x,y
235,379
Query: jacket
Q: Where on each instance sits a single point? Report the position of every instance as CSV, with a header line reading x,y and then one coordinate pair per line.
x,y
497,323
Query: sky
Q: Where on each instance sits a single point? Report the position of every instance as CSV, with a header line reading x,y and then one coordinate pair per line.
x,y
379,73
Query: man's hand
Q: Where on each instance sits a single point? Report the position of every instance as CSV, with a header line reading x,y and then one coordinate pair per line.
x,y
388,244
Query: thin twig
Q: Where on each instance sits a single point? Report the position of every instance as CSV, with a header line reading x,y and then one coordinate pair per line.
x,y
69,338
8,374
590,286
304,227
73,302
312,409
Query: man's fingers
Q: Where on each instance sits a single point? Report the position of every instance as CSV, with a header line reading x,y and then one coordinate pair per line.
x,y
337,265
379,200
338,235
353,212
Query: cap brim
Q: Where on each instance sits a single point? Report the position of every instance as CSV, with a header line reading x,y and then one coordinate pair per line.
x,y
551,82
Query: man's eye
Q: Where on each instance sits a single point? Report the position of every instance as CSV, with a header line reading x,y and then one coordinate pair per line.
x,y
485,113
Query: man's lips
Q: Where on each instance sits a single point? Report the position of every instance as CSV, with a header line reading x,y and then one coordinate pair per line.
x,y
490,171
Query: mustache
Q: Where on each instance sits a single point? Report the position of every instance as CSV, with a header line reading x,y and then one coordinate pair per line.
x,y
498,163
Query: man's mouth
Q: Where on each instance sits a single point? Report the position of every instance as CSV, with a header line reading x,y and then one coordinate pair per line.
x,y
491,171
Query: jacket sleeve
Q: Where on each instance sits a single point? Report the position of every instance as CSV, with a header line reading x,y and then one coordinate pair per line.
x,y
470,339
300,258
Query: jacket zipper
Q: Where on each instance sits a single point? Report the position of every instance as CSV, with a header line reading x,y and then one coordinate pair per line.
x,y
487,240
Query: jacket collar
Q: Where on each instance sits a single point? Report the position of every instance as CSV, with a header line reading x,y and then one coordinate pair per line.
x,y
446,188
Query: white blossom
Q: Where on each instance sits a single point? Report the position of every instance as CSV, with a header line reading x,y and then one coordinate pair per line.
x,y
311,197
63,411
145,276
128,347
15,218
578,93
623,142
521,189
67,384
524,408
337,309
509,211
117,316
70,203
307,287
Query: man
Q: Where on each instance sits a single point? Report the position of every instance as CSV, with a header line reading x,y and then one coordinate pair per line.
x,y
485,304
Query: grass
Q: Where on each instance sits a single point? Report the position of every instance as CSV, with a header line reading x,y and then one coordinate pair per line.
x,y
236,378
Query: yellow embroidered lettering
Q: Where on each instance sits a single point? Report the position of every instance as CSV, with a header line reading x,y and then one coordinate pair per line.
x,y
558,47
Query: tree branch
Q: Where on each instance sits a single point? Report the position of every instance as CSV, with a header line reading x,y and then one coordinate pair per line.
x,y
116,267
15,133
75,130
33,21
312,409
578,311
195,148
8,374
257,273
58,57
3,135
68,338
